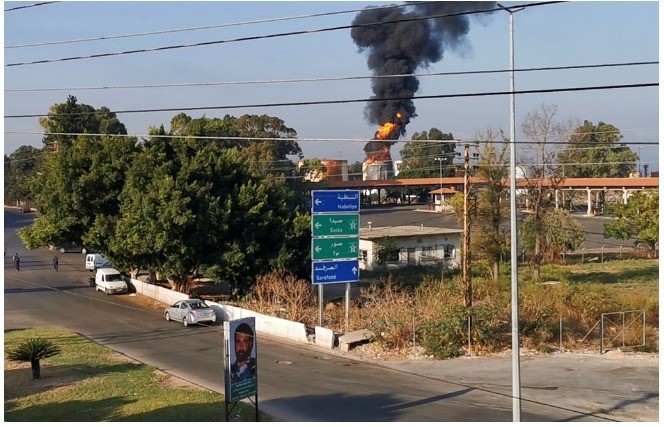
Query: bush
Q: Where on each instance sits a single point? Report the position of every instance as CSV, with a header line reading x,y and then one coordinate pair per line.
x,y
445,338
283,295
388,311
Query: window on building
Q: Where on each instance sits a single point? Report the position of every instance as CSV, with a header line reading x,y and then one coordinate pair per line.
x,y
393,256
363,256
449,251
427,252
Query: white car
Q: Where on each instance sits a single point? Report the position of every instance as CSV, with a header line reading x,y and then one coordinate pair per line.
x,y
190,311
110,281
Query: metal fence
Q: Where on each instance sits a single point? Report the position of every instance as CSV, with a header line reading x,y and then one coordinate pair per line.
x,y
620,329
626,328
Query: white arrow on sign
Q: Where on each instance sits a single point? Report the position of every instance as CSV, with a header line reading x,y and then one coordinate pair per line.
x,y
317,249
318,225
318,202
354,270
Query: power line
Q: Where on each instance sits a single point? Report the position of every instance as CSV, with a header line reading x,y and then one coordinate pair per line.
x,y
349,101
206,27
31,5
268,36
328,79
276,139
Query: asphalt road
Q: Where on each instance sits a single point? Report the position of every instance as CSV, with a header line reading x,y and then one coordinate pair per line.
x,y
296,382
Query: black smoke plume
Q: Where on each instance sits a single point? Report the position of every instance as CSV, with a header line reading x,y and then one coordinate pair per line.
x,y
405,47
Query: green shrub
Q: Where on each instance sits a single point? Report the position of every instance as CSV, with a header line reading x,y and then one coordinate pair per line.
x,y
445,338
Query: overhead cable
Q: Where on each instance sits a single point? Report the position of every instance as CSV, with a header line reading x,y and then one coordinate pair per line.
x,y
30,5
268,36
277,139
349,101
206,27
328,79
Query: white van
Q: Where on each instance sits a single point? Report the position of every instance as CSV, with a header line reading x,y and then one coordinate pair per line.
x,y
110,281
95,261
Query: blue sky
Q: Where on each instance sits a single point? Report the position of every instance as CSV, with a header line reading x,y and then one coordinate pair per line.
x,y
573,33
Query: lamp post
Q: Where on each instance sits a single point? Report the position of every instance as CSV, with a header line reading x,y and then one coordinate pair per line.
x,y
516,370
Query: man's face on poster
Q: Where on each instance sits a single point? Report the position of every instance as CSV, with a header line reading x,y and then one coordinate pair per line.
x,y
243,345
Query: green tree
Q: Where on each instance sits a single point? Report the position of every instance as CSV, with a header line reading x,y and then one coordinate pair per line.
x,y
544,178
72,117
262,133
560,232
20,168
419,155
78,184
33,351
355,171
189,208
638,220
490,238
594,151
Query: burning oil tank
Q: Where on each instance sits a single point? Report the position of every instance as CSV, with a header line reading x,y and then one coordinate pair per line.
x,y
377,170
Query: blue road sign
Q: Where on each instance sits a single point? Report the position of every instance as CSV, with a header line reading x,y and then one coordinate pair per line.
x,y
342,271
331,201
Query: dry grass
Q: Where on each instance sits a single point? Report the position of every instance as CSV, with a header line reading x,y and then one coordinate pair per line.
x,y
283,295
433,312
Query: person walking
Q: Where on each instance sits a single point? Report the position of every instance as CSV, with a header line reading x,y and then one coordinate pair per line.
x,y
17,261
56,262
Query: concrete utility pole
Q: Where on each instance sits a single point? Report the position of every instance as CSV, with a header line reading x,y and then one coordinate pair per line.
x,y
516,363
468,286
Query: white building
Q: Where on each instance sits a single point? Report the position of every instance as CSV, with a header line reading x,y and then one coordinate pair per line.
x,y
409,245
441,198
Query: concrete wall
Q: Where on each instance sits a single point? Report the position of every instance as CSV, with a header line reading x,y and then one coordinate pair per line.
x,y
265,324
159,293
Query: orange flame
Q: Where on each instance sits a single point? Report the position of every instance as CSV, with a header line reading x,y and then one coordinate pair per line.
x,y
386,130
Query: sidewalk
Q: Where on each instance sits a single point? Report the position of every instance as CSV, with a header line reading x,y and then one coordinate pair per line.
x,y
617,385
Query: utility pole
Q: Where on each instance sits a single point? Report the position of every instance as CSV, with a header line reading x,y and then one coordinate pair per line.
x,y
514,278
468,286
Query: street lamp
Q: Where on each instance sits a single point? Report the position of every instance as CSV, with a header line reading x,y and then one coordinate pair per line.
x,y
516,370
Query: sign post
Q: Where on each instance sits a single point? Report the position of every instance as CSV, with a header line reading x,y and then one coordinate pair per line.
x,y
335,227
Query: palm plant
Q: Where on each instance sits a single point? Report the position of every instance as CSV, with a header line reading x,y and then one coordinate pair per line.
x,y
33,351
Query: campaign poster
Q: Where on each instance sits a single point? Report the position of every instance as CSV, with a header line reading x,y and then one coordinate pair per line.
x,y
242,370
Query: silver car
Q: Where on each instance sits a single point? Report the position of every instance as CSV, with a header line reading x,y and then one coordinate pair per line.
x,y
190,311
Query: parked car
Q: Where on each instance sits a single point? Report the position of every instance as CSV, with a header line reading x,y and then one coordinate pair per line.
x,y
25,209
110,281
95,261
190,311
69,247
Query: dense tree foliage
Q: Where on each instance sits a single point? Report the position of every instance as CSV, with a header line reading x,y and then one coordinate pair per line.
x,y
72,117
191,205
419,155
20,167
78,186
261,131
595,151
557,232
217,206
638,220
